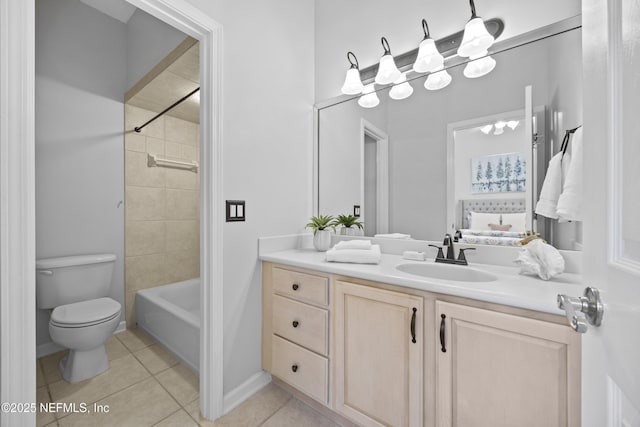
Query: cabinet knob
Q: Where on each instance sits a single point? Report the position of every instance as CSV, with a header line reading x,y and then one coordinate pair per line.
x,y
295,286
295,323
294,368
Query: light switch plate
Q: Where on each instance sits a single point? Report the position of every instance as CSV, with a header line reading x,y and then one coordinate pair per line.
x,y
235,210
356,211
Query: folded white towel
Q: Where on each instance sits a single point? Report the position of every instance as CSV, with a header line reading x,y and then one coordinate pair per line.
x,y
570,201
353,244
355,256
538,257
394,236
552,186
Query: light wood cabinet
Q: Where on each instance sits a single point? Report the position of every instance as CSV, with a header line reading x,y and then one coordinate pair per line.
x,y
495,369
378,355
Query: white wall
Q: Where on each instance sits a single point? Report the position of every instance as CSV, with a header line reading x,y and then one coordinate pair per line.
x,y
267,137
357,25
80,82
149,40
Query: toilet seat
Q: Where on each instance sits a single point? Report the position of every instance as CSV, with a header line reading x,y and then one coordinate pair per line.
x,y
85,313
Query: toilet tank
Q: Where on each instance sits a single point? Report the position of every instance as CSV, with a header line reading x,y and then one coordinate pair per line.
x,y
65,280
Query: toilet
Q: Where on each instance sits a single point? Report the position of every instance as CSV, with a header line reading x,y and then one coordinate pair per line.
x,y
75,288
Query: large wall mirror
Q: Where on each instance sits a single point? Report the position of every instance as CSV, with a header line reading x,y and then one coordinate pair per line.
x,y
420,165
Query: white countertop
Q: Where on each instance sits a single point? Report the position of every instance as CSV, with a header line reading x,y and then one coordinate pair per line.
x,y
511,288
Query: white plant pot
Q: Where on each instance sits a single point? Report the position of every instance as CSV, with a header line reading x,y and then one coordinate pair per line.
x,y
349,231
322,240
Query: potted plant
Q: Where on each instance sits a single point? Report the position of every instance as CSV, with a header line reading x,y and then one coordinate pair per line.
x,y
349,223
322,227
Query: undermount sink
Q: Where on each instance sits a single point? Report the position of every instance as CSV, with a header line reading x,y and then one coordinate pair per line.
x,y
456,273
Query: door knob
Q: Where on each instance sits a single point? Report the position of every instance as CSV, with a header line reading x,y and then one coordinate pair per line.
x,y
590,304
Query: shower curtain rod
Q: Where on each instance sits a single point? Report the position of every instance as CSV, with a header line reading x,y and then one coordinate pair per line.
x,y
139,128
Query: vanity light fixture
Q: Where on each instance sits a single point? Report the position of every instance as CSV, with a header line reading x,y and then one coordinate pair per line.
x,y
476,38
369,98
401,89
387,70
438,80
352,82
480,65
428,58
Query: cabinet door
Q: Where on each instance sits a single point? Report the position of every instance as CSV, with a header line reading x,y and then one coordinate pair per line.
x,y
378,363
495,369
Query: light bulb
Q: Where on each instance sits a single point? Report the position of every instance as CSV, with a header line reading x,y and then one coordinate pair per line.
x,y
480,65
387,70
401,89
476,38
486,129
352,82
437,80
369,99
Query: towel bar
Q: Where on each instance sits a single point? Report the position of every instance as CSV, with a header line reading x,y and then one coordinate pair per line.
x,y
154,161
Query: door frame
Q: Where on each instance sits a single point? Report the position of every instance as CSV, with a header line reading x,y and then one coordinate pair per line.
x,y
17,193
382,173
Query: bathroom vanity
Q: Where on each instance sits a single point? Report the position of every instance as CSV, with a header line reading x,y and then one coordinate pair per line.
x,y
379,346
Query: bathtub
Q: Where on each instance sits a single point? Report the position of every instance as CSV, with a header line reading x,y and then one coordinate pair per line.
x,y
171,315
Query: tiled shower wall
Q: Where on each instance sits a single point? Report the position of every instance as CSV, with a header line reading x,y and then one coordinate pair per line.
x,y
162,215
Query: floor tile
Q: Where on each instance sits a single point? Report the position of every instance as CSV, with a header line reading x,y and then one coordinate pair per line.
x,y
135,339
40,381
51,366
43,418
115,349
178,419
181,382
155,358
295,414
123,372
143,404
255,410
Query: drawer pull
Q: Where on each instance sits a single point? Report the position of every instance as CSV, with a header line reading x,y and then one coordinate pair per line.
x,y
443,348
295,323
413,325
295,286
294,368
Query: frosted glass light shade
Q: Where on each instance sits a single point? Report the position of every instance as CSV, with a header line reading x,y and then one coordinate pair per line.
x,y
437,80
479,67
352,83
428,59
387,70
476,38
369,99
486,129
402,88
513,124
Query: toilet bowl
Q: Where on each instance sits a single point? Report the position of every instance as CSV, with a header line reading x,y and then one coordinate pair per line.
x,y
83,328
82,316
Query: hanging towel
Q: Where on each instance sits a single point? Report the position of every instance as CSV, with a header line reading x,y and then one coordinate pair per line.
x,y
538,257
394,236
570,201
552,186
355,256
353,244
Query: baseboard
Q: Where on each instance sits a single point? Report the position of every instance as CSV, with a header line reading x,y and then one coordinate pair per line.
x,y
245,390
51,347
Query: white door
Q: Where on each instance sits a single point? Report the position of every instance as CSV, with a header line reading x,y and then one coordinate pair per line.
x,y
611,353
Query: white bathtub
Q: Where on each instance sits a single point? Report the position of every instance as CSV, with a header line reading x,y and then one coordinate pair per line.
x,y
171,315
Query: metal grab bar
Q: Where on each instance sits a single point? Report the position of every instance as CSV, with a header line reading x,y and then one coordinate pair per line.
x,y
154,161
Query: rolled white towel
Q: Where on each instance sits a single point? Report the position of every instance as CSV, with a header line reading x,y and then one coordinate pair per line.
x,y
570,201
552,186
538,257
353,244
394,236
355,256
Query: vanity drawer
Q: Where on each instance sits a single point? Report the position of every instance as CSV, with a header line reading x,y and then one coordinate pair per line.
x,y
301,286
301,323
301,368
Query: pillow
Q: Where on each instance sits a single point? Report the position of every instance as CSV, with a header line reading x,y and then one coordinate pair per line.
x,y
518,221
500,227
481,221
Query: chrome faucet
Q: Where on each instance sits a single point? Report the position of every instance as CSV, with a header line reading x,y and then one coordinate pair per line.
x,y
451,254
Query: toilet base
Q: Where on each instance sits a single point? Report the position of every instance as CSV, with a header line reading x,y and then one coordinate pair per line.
x,y
80,365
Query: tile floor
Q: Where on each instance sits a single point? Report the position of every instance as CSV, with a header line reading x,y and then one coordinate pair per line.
x,y
147,386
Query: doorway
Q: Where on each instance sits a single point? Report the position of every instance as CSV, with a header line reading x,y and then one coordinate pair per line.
x,y
374,180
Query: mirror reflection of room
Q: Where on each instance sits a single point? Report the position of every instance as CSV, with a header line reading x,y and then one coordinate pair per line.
x,y
420,199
